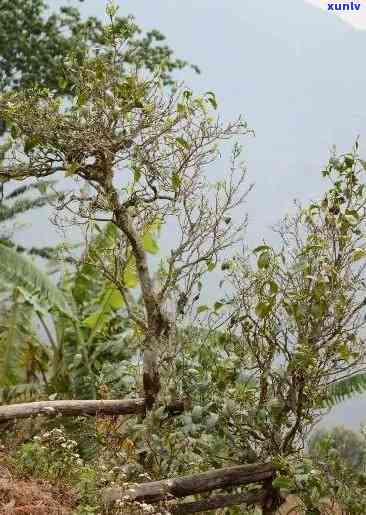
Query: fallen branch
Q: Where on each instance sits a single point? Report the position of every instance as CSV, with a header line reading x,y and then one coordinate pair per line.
x,y
220,501
72,408
77,408
169,489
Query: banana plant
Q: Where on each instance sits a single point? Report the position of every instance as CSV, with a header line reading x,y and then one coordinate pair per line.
x,y
76,327
26,292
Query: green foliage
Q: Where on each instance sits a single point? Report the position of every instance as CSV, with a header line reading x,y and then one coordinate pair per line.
x,y
34,44
350,446
51,455
84,322
340,457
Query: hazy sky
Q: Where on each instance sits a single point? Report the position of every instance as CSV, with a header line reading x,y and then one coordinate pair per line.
x,y
297,75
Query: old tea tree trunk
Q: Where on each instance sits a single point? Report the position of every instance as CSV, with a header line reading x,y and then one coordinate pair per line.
x,y
141,155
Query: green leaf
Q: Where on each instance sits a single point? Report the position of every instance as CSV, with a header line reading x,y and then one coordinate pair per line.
x,y
63,83
352,220
211,266
88,283
149,244
264,260
115,298
111,299
273,286
201,309
136,175
151,229
138,104
111,9
226,265
187,94
197,413
263,309
261,248
176,181
344,352
30,144
182,142
212,99
353,213
282,483
181,108
82,99
218,306
349,161
14,132
71,168
318,309
92,320
130,277
358,254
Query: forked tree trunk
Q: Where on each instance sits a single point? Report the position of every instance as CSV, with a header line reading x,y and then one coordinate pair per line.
x,y
157,326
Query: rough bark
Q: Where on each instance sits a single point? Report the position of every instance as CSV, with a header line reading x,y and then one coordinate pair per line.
x,y
272,499
151,377
82,408
157,325
167,489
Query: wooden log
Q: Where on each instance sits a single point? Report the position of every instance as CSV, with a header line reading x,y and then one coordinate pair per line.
x,y
220,501
80,408
167,489
72,408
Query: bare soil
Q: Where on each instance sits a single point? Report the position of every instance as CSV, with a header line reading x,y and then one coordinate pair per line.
x,y
32,497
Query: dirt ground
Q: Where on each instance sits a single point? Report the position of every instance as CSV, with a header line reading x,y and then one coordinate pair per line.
x,y
31,497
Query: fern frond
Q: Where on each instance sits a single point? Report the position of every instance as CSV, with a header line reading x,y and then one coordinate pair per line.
x,y
18,271
40,186
346,388
50,253
23,205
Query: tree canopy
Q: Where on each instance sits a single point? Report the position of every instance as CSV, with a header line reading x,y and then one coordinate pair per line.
x,y
34,43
